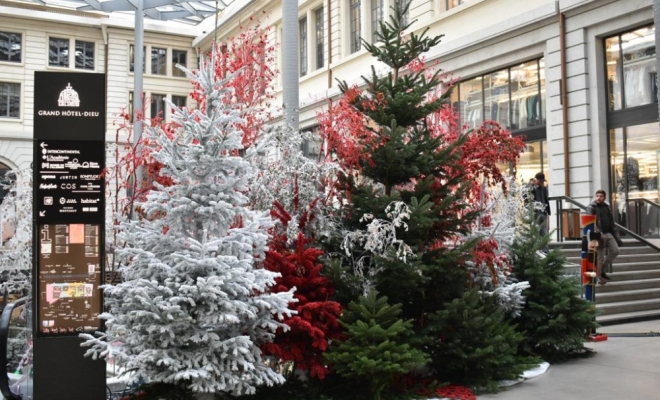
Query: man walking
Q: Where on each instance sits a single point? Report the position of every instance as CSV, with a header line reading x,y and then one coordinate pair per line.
x,y
608,242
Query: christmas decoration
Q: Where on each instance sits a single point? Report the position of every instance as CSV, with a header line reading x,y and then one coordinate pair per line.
x,y
193,306
16,216
555,318
315,324
412,215
375,353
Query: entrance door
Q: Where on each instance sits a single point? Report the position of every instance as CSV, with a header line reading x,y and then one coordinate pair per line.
x,y
634,159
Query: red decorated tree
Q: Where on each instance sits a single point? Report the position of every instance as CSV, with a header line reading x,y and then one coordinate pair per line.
x,y
251,58
315,323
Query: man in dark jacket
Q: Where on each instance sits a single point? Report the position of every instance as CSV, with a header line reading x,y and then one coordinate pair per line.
x,y
542,205
608,242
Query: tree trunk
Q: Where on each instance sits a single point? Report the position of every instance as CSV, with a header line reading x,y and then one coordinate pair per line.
x,y
290,58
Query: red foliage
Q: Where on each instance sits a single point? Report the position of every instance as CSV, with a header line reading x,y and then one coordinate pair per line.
x,y
346,130
315,323
253,56
487,251
455,392
250,56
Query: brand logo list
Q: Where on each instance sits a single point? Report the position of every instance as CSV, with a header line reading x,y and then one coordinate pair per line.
x,y
69,178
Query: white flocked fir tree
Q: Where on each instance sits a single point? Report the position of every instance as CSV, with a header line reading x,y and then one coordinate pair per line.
x,y
193,305
502,209
16,215
297,182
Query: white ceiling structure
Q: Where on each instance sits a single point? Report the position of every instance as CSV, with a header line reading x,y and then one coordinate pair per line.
x,y
191,12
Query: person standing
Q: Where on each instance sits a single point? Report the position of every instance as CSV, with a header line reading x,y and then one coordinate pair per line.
x,y
542,210
608,245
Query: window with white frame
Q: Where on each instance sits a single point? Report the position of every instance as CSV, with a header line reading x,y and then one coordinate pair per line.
x,y
58,52
179,101
446,5
130,106
319,41
84,55
179,57
312,144
158,61
377,7
131,57
355,25
302,30
11,44
157,106
10,100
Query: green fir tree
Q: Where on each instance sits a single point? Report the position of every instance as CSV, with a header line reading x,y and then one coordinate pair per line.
x,y
477,346
408,164
556,319
375,354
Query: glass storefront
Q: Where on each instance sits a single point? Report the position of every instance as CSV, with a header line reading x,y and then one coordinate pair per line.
x,y
631,69
533,160
635,155
634,137
513,97
470,109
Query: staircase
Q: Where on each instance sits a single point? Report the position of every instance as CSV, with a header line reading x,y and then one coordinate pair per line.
x,y
634,292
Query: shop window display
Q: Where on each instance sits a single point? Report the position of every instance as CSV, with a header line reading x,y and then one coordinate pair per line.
x,y
634,139
512,96
496,97
470,104
635,154
631,69
533,159
526,106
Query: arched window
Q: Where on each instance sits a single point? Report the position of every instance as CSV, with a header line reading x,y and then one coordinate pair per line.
x,y
3,181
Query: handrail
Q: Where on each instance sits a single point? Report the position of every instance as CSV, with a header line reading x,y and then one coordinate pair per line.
x,y
636,236
632,234
5,319
647,201
565,198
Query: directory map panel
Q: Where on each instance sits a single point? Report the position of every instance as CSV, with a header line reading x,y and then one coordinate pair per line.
x,y
69,278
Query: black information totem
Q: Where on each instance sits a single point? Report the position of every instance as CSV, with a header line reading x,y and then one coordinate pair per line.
x,y
68,226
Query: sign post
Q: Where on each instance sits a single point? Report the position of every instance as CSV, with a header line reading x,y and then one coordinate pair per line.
x,y
68,226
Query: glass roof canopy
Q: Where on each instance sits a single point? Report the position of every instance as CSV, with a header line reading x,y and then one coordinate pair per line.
x,y
190,12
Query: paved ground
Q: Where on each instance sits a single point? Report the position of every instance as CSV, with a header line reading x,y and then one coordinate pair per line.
x,y
623,368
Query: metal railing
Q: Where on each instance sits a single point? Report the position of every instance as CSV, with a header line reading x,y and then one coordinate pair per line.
x,y
5,321
639,223
561,229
